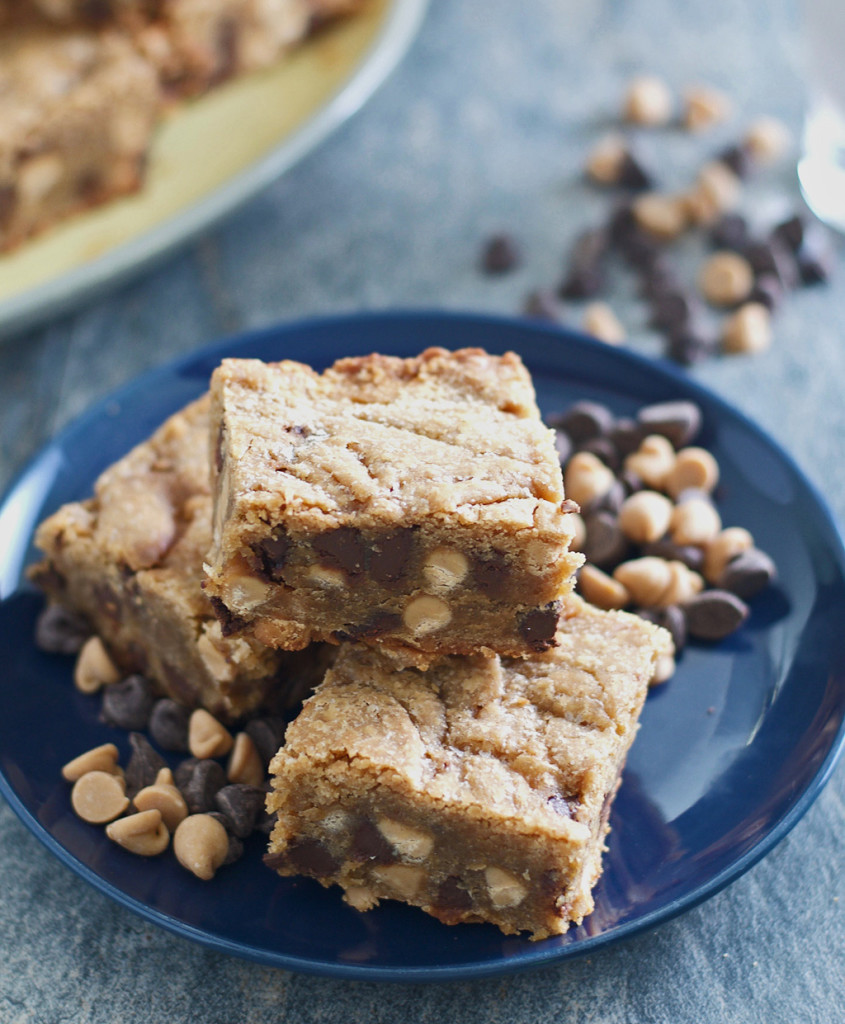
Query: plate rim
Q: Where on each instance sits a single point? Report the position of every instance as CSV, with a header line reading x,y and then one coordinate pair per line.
x,y
118,264
525,960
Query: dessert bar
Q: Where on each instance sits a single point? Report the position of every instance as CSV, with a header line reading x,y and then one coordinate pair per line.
x,y
416,504
130,560
478,790
77,111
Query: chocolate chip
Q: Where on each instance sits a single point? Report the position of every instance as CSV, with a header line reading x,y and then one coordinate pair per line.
x,y
815,257
308,857
689,554
169,724
689,346
128,704
672,311
242,805
772,257
492,575
542,304
500,254
538,627
790,232
585,420
604,449
730,232
736,159
272,554
199,781
566,806
748,573
714,614
767,291
604,545
229,622
612,499
451,896
658,280
145,763
626,435
235,851
61,631
679,421
267,735
378,624
632,174
390,555
368,844
342,548
671,618
585,276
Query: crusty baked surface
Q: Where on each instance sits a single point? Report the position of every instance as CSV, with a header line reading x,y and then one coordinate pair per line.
x,y
515,761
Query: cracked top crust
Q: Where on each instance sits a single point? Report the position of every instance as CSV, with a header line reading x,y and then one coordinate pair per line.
x,y
504,737
380,440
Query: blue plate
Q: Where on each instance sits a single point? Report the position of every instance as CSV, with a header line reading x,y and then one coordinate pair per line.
x,y
732,751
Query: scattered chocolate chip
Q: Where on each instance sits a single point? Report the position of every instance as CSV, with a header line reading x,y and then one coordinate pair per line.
x,y
736,159
604,449
563,805
815,257
168,725
272,553
128,704
60,631
730,232
499,255
563,445
679,421
612,499
748,573
714,614
267,735
538,627
672,311
342,548
772,258
689,346
542,304
585,420
626,435
605,545
145,763
390,555
235,851
767,291
199,781
585,276
242,805
691,556
671,618
632,174
790,232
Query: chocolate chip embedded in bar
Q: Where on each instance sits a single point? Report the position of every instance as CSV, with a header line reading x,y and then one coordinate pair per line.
x,y
478,790
414,503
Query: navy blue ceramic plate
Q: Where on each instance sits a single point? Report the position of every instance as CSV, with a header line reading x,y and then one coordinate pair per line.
x,y
732,751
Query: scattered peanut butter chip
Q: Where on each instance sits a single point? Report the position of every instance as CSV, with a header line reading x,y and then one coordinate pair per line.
x,y
98,797
748,330
705,106
648,101
600,321
144,833
94,668
201,845
207,737
767,139
102,758
726,279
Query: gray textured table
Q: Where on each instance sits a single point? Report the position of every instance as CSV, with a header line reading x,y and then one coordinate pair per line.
x,y
484,126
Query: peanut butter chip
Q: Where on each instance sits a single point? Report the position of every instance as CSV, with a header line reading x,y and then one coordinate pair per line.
x,y
663,216
748,330
245,764
726,279
207,737
98,797
98,759
602,323
144,834
201,845
167,800
94,668
648,101
445,568
425,614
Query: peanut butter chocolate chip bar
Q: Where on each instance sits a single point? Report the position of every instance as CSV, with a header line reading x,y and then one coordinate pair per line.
x,y
416,504
478,790
77,112
130,560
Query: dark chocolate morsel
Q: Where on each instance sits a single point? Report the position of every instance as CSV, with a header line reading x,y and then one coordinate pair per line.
x,y
714,614
679,421
342,548
368,844
688,346
451,896
790,232
229,622
736,159
604,449
730,232
689,554
632,174
671,618
767,291
390,555
492,576
272,553
563,805
199,781
309,857
585,420
145,763
585,276
605,545
61,631
267,735
749,573
672,311
169,724
378,624
128,703
242,805
538,627
500,254
542,304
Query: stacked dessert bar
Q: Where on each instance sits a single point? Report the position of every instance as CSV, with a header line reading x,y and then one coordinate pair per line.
x,y
462,750
83,84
